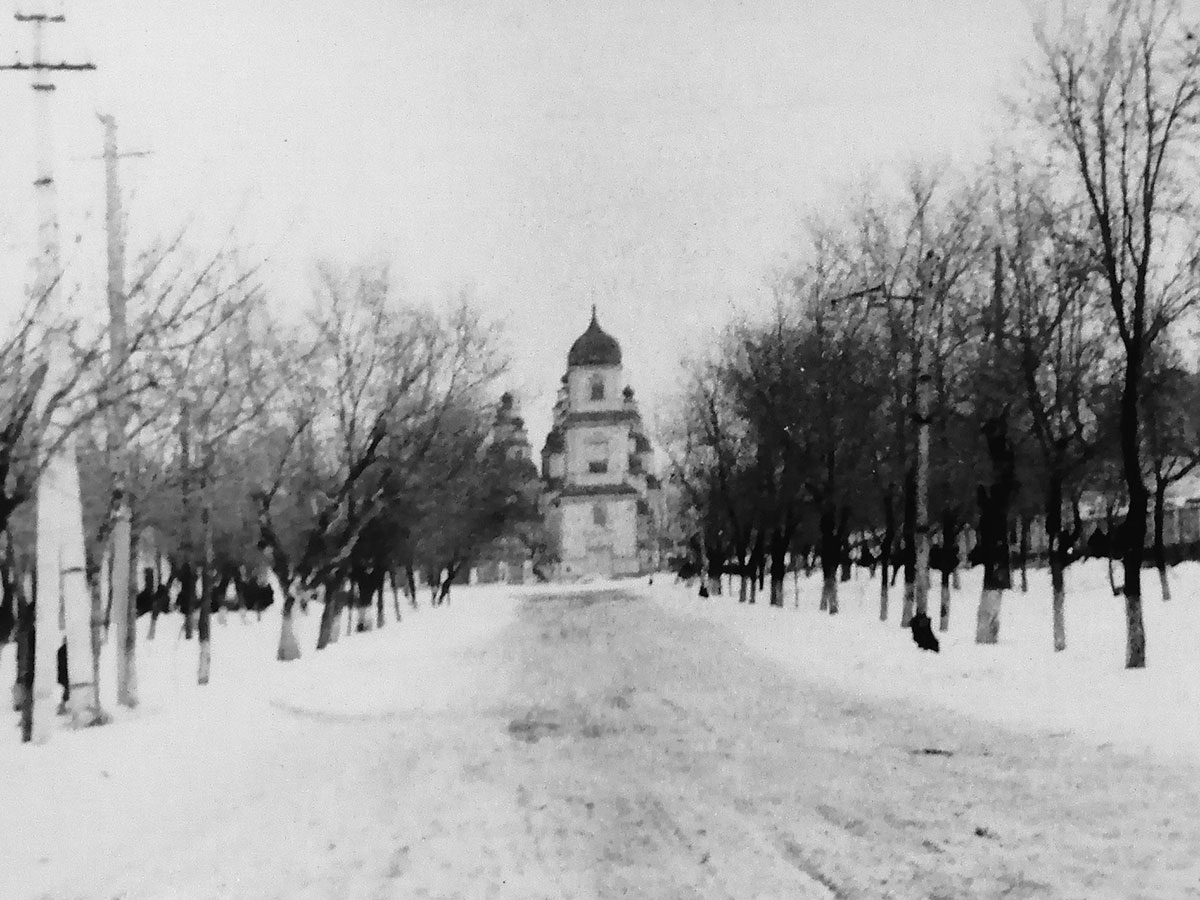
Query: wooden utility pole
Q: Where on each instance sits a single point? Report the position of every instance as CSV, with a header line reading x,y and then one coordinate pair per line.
x,y
124,608
61,575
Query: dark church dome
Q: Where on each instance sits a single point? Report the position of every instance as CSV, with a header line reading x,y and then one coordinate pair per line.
x,y
595,347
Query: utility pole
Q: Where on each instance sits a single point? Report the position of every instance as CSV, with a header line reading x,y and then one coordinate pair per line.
x,y
124,608
922,302
61,576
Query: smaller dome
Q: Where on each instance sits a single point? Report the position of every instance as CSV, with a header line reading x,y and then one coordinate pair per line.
x,y
628,392
595,347
554,442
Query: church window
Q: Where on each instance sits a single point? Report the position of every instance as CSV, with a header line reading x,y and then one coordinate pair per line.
x,y
596,454
597,387
599,514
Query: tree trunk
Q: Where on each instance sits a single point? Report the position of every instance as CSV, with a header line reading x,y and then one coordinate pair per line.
x,y
187,592
327,629
716,563
1023,554
987,623
779,542
158,601
776,589
206,574
950,561
993,529
395,594
961,544
1114,550
412,585
885,551
1160,549
23,632
910,543
451,573
1135,640
26,653
1058,585
743,586
289,647
944,617
1057,557
187,597
1135,521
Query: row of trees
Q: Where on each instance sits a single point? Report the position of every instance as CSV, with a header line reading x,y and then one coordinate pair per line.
x,y
1032,314
357,445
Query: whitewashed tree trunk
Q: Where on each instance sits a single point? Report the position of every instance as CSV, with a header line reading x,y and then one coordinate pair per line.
x,y
124,610
1060,619
987,623
289,647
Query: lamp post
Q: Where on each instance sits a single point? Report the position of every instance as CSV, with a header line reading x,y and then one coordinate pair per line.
x,y
924,382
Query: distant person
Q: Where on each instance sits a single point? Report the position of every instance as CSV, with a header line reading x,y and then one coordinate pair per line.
x,y
62,676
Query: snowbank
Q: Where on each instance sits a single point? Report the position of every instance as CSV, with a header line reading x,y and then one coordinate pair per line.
x,y
71,810
1084,692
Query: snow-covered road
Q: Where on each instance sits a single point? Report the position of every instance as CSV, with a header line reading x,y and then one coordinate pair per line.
x,y
601,747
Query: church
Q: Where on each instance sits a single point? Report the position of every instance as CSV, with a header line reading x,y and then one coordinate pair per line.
x,y
602,498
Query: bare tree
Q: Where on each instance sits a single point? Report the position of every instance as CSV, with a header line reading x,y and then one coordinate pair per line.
x,y
1119,94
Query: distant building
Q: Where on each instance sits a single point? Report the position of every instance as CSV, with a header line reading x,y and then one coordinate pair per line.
x,y
602,497
508,430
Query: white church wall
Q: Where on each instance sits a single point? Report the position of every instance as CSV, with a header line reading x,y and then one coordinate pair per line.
x,y
582,538
579,388
584,444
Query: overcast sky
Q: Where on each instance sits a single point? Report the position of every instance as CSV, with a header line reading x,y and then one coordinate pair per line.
x,y
654,157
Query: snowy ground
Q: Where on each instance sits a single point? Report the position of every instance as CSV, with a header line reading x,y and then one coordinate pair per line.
x,y
1084,692
131,809
592,743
